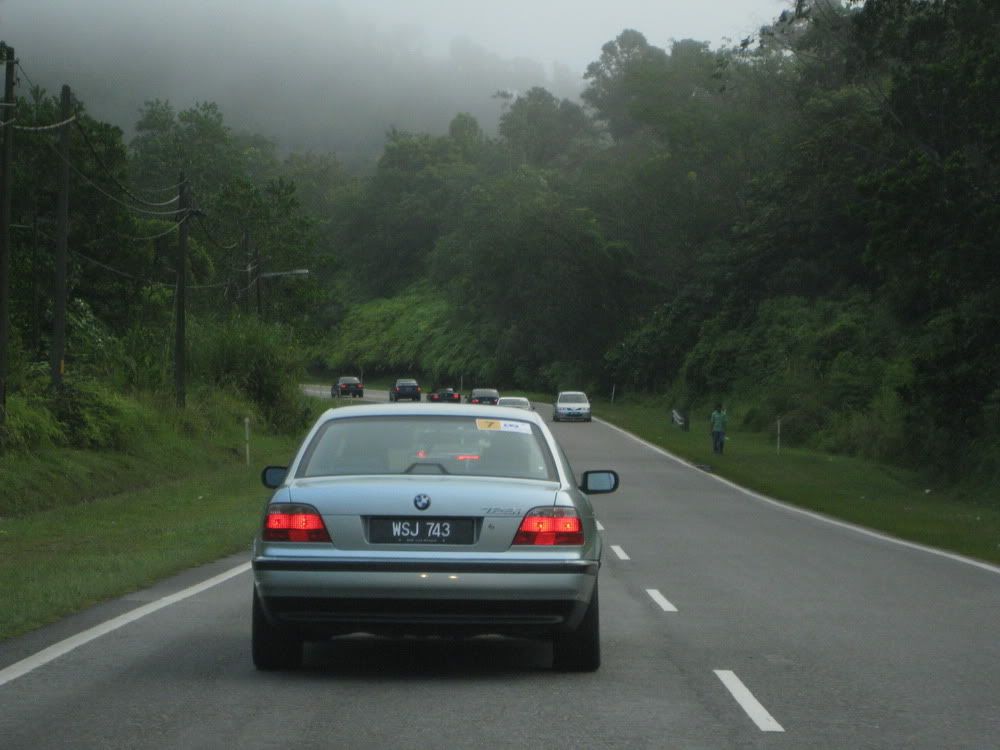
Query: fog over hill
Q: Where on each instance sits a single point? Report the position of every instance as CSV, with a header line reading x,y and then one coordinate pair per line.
x,y
320,74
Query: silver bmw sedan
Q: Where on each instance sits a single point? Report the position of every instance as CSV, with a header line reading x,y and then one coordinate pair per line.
x,y
426,519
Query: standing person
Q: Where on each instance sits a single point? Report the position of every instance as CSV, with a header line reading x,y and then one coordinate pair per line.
x,y
718,423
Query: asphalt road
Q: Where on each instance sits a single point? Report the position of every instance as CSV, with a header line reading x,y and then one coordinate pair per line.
x,y
727,622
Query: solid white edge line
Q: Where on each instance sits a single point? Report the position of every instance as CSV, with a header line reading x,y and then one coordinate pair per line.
x,y
660,599
757,713
811,514
620,552
600,527
30,663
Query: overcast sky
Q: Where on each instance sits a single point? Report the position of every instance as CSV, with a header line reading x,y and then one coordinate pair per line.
x,y
337,74
570,32
566,31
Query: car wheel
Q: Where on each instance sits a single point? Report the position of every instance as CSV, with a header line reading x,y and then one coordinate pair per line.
x,y
580,650
272,647
361,394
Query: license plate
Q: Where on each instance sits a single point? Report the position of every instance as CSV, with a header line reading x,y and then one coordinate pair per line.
x,y
421,530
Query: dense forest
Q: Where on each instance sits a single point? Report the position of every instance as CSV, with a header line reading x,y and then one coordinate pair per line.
x,y
803,225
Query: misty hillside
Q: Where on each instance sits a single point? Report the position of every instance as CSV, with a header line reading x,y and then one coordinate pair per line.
x,y
314,76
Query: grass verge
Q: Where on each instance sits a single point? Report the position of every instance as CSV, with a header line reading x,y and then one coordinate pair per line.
x,y
58,561
965,520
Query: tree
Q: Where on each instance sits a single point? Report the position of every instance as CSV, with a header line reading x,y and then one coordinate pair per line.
x,y
622,61
540,128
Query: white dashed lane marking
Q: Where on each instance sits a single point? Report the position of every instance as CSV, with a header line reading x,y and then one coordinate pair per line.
x,y
764,721
661,600
620,552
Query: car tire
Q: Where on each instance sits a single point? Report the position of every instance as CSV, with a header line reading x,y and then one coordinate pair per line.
x,y
580,650
272,647
361,394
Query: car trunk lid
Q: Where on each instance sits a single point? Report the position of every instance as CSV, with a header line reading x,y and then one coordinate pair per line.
x,y
400,512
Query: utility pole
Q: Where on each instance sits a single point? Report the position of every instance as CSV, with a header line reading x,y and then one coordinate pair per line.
x,y
179,301
36,294
256,262
62,237
246,254
6,164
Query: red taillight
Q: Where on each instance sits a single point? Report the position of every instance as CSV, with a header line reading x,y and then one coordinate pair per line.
x,y
397,389
418,389
294,523
467,457
549,526
475,400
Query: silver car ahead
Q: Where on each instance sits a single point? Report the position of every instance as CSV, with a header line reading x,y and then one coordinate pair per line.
x,y
571,405
516,402
426,519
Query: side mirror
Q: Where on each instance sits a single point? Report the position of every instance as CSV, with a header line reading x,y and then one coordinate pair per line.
x,y
273,476
599,482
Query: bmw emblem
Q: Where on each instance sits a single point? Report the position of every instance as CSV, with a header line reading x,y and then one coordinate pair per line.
x,y
422,502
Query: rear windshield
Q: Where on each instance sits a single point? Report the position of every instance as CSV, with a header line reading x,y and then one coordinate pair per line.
x,y
406,382
349,380
513,401
486,392
467,446
572,398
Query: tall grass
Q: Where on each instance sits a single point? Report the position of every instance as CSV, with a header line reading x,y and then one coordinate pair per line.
x,y
900,502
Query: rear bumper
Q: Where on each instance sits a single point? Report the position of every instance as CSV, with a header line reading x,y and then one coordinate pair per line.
x,y
324,598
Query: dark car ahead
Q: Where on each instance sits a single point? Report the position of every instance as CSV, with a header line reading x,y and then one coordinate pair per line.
x,y
484,396
348,386
405,389
445,396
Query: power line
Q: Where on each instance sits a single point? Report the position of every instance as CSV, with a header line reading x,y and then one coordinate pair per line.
x,y
44,128
167,189
164,233
110,174
212,238
208,286
25,74
115,271
105,193
133,277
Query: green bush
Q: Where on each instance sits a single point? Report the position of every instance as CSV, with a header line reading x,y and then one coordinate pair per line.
x,y
93,416
255,359
567,376
29,424
414,332
91,349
